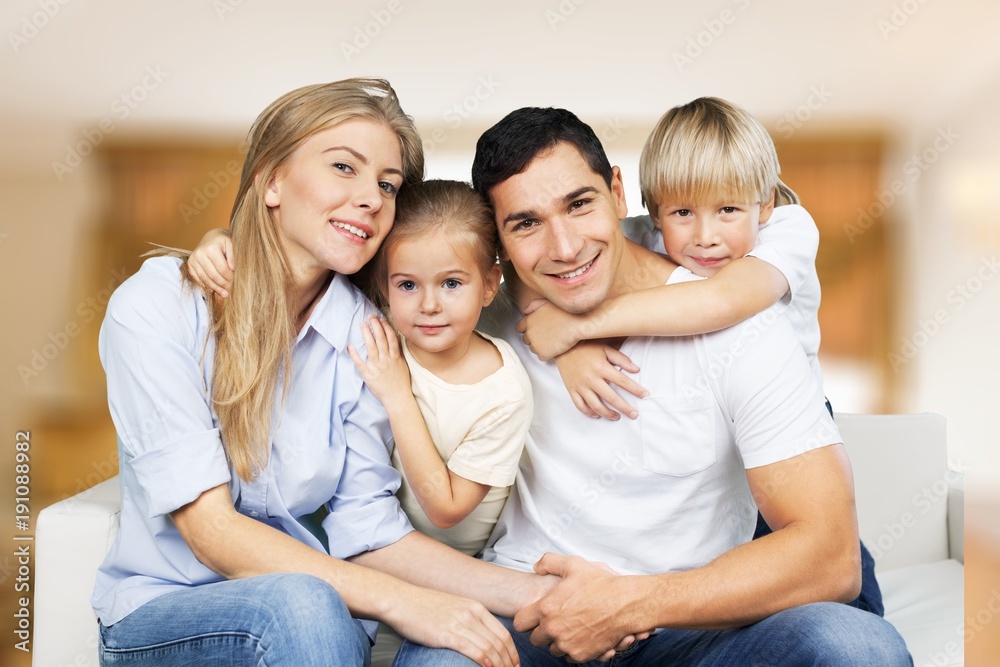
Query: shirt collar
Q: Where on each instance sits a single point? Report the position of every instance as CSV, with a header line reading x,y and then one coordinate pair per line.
x,y
327,318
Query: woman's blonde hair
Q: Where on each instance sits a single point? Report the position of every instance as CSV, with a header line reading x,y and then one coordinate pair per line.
x,y
707,149
255,326
429,207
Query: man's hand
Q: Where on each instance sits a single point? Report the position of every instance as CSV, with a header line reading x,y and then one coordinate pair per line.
x,y
548,330
589,614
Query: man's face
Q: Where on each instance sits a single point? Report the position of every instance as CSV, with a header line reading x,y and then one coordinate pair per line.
x,y
559,227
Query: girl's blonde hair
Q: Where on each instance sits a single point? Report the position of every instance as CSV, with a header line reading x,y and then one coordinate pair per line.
x,y
432,206
707,149
254,328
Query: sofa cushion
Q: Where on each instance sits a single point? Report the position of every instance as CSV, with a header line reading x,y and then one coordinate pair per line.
x,y
925,603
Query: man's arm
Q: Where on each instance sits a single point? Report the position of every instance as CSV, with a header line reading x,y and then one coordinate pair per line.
x,y
812,556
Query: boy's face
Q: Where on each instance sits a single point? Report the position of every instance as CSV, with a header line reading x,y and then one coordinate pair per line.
x,y
703,238
558,224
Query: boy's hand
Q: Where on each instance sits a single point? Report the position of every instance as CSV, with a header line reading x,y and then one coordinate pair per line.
x,y
589,370
211,263
385,372
548,330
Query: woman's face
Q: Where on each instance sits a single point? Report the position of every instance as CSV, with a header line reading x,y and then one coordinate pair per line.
x,y
335,198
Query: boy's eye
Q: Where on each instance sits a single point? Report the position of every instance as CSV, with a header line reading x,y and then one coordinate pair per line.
x,y
729,209
682,212
451,283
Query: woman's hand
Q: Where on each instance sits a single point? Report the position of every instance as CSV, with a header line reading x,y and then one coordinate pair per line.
x,y
440,620
211,263
385,372
589,370
548,330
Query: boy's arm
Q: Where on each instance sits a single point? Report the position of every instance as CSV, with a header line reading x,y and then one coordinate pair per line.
x,y
445,496
739,290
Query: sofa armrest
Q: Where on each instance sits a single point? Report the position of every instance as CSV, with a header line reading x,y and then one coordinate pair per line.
x,y
72,537
956,516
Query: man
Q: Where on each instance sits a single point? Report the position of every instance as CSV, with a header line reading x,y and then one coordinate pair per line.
x,y
734,418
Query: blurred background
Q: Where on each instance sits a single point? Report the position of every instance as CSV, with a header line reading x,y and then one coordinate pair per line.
x,y
122,125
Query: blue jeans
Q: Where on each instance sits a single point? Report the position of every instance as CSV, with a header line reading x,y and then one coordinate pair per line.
x,y
820,634
275,619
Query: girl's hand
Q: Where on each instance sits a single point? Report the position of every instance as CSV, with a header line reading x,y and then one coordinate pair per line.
x,y
589,370
440,620
548,330
211,263
385,372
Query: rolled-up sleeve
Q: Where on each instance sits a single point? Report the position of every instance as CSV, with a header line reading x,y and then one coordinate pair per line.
x,y
151,344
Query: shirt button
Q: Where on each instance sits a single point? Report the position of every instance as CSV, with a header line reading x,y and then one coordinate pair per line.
x,y
254,513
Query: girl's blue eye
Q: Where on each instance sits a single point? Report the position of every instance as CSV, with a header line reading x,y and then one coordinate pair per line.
x,y
407,285
451,283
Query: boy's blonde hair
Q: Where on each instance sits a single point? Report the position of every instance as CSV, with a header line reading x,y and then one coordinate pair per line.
x,y
431,206
707,149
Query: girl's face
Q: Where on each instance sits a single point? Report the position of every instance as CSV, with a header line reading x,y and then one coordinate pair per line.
x,y
334,200
436,290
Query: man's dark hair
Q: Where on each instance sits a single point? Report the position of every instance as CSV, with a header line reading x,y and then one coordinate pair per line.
x,y
507,148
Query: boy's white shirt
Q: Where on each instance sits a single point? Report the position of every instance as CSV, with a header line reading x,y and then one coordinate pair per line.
x,y
788,241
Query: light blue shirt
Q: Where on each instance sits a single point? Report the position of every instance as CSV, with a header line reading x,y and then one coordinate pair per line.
x,y
329,443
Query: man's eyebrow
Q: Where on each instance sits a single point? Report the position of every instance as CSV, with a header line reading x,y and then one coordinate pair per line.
x,y
361,158
566,199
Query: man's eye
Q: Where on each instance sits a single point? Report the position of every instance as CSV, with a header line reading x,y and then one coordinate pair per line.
x,y
524,224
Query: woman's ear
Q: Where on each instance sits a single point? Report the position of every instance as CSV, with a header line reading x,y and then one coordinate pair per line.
x,y
272,191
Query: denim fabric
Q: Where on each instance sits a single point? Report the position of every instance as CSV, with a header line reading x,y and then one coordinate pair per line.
x,y
824,634
276,619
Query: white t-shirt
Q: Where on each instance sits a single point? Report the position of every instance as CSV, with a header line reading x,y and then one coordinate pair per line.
x,y
788,241
479,431
668,491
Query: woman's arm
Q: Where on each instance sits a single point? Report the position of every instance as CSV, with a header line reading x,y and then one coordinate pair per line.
x,y
236,546
445,496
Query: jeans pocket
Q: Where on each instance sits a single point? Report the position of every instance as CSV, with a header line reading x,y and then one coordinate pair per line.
x,y
678,434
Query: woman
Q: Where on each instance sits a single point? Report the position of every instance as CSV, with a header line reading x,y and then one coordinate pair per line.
x,y
238,417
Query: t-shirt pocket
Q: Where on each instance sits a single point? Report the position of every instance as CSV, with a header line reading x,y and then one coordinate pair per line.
x,y
678,434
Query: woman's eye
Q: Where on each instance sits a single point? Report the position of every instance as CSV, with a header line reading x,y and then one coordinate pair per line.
x,y
451,283
344,167
389,188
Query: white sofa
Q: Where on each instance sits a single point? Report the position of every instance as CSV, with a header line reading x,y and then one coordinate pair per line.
x,y
910,511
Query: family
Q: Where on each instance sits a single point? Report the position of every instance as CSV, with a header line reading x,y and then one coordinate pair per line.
x,y
299,472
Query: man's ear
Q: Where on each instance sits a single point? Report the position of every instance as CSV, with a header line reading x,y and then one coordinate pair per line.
x,y
767,208
618,193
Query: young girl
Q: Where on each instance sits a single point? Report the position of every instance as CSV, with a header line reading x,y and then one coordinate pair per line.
x,y
709,176
460,404
459,401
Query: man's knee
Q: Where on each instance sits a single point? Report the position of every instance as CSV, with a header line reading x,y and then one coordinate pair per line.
x,y
836,635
